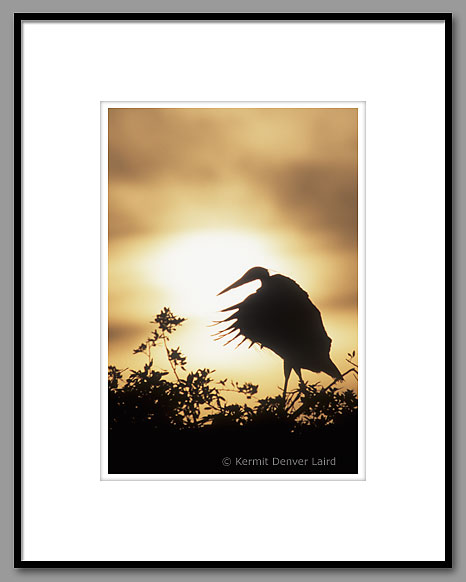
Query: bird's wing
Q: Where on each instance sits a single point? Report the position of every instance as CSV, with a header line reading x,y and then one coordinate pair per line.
x,y
280,316
300,318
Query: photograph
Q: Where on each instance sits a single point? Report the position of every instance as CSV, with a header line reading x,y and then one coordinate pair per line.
x,y
233,290
233,260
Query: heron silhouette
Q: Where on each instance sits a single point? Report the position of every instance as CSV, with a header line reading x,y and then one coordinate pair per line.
x,y
281,317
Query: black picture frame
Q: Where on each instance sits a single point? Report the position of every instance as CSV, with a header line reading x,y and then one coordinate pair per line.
x,y
19,18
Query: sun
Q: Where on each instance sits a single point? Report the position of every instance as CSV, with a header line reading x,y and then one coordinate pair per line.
x,y
190,269
185,272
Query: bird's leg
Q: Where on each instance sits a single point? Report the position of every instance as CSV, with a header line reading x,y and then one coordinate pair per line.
x,y
300,376
287,372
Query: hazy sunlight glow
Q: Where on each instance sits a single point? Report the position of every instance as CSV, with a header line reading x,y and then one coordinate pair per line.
x,y
192,268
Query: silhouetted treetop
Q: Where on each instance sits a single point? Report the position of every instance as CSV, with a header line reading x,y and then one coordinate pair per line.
x,y
193,399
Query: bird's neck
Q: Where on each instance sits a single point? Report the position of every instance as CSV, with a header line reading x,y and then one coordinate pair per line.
x,y
264,278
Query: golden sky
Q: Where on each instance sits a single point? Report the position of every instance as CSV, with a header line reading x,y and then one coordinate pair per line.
x,y
197,196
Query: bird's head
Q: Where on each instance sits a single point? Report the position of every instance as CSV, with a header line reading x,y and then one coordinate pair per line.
x,y
251,275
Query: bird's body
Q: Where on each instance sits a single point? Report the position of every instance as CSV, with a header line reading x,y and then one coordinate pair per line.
x,y
280,316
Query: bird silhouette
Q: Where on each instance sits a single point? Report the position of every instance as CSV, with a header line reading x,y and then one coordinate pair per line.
x,y
281,317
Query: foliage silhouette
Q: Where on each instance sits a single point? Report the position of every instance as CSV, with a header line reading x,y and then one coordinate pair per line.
x,y
153,419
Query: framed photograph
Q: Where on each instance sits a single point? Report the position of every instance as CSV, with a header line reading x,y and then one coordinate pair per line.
x,y
233,246
229,197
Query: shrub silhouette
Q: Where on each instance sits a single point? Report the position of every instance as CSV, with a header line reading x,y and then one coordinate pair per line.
x,y
194,399
147,408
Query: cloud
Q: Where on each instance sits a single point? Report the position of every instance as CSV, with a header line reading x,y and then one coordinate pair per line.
x,y
265,168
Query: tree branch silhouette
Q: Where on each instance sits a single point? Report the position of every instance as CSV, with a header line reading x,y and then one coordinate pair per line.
x,y
194,400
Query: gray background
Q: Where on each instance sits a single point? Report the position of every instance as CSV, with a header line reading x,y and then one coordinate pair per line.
x,y
7,8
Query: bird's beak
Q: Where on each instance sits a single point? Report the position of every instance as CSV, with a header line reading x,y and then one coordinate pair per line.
x,y
238,283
